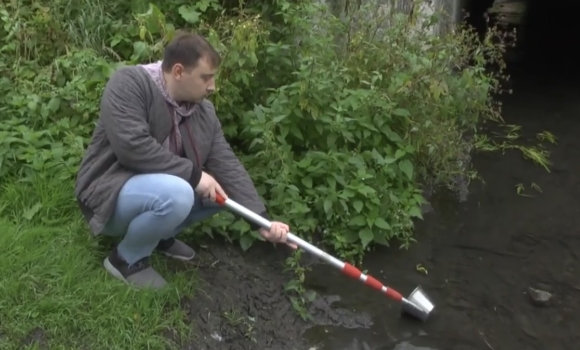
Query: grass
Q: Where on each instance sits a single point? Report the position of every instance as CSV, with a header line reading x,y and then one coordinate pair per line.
x,y
55,293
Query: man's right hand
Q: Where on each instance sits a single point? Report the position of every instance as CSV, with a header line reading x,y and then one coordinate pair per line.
x,y
208,187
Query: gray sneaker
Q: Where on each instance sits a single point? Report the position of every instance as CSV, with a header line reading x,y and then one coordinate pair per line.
x,y
176,249
140,274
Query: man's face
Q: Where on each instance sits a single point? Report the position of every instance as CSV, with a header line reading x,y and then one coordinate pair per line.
x,y
195,84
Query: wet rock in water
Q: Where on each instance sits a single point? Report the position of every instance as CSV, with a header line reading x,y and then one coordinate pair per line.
x,y
426,208
539,297
526,325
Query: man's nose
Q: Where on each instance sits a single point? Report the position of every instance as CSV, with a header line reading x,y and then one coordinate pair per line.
x,y
211,86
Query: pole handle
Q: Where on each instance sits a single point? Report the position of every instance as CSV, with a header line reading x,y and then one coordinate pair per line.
x,y
265,223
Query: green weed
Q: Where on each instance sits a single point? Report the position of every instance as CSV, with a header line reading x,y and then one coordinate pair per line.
x,y
55,292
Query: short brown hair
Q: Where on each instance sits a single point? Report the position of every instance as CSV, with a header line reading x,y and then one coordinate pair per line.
x,y
187,49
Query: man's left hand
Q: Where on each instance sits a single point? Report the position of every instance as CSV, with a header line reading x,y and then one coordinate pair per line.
x,y
278,233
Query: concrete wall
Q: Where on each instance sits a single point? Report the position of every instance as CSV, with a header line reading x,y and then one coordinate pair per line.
x,y
452,8
383,10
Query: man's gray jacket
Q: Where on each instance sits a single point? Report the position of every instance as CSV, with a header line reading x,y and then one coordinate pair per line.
x,y
133,123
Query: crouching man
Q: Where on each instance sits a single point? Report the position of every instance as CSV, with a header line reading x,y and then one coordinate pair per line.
x,y
146,173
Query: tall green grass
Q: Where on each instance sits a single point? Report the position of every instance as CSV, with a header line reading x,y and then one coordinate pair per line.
x,y
54,290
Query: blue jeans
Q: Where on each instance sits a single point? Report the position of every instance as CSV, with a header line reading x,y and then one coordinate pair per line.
x,y
152,207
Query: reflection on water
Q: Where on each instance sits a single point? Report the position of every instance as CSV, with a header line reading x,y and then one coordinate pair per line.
x,y
338,338
363,345
408,346
327,310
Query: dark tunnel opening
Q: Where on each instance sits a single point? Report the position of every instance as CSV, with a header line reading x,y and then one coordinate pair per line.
x,y
548,37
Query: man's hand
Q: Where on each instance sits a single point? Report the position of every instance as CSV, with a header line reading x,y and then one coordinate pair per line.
x,y
208,187
278,233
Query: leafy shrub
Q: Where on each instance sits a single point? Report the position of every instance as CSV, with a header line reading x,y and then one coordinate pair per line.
x,y
341,123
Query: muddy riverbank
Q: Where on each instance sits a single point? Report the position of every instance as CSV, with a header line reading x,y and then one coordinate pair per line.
x,y
241,304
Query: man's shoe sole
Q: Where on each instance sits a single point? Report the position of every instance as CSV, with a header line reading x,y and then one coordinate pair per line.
x,y
113,270
179,257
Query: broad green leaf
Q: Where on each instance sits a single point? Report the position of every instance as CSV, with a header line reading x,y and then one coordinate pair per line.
x,y
307,181
416,212
189,14
296,132
419,198
54,104
366,236
351,236
279,118
292,285
381,223
393,136
304,162
327,206
407,168
400,153
331,183
366,190
139,49
381,239
358,206
401,112
358,220
203,5
246,242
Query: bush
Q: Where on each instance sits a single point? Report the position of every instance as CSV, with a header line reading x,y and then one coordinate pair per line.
x,y
341,122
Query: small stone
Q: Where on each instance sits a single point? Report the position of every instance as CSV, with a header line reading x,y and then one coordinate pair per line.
x,y
526,325
426,208
539,297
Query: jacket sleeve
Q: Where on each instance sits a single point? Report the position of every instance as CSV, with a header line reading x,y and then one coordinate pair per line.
x,y
124,118
230,173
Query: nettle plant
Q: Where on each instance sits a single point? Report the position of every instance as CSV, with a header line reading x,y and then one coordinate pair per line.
x,y
344,148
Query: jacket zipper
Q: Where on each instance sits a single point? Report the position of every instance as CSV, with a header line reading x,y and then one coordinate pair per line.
x,y
192,141
173,134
